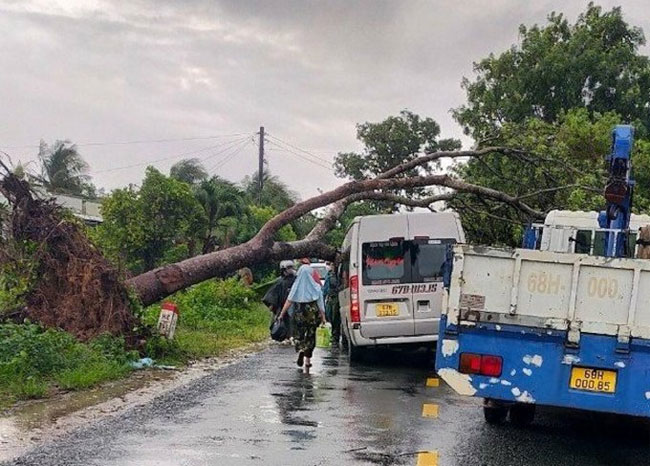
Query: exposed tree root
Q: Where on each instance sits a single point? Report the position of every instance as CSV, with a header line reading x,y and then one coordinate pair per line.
x,y
76,288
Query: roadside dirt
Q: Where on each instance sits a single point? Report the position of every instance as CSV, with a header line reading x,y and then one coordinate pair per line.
x,y
30,423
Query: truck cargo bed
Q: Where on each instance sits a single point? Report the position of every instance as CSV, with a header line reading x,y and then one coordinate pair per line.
x,y
574,292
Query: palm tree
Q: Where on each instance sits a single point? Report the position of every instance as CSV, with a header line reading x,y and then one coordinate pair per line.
x,y
190,171
222,201
275,193
63,170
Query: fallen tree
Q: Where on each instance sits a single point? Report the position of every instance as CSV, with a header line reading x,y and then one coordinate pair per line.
x,y
155,284
80,291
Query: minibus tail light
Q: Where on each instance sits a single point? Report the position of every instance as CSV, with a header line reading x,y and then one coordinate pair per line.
x,y
355,313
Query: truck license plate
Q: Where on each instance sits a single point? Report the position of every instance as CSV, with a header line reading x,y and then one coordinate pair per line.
x,y
386,310
593,380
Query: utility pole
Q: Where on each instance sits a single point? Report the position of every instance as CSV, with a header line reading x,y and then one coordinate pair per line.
x,y
260,173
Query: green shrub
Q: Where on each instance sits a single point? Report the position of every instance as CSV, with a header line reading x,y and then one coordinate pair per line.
x,y
209,305
112,348
33,359
163,350
16,275
29,388
28,350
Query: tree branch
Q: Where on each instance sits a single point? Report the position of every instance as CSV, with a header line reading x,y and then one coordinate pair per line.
x,y
451,154
337,209
269,230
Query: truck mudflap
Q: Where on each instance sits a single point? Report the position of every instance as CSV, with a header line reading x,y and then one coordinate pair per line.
x,y
537,367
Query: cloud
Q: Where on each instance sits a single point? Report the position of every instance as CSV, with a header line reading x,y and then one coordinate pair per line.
x,y
307,71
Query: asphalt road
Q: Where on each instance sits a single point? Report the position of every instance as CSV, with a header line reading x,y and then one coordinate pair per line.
x,y
265,411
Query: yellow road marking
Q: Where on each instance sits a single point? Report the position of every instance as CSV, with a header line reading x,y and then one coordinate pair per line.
x,y
427,458
430,410
433,382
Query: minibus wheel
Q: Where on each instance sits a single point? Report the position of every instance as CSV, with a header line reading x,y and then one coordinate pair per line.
x,y
355,353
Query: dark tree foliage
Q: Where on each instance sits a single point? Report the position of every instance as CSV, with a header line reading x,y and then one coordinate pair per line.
x,y
388,143
224,204
594,64
393,141
156,224
274,194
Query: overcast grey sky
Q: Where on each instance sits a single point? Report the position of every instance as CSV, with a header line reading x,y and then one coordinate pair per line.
x,y
101,71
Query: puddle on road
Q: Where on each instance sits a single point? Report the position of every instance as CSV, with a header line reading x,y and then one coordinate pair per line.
x,y
26,423
29,423
40,413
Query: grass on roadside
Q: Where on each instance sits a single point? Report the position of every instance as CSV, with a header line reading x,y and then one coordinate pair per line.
x,y
215,316
34,361
90,375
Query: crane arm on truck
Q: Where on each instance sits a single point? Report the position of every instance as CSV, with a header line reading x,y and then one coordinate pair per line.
x,y
618,192
615,218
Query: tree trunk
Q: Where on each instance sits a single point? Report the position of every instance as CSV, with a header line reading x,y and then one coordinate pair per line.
x,y
155,284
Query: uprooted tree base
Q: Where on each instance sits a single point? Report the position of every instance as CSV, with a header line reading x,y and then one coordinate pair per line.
x,y
75,287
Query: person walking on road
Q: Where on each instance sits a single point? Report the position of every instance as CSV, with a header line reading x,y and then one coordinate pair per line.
x,y
314,273
278,293
332,310
309,313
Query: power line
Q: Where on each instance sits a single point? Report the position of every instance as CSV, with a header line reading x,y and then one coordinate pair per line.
x,y
226,158
142,141
229,144
232,149
163,159
288,144
297,154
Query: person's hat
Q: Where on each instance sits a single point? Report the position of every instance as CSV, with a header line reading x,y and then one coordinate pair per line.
x,y
286,265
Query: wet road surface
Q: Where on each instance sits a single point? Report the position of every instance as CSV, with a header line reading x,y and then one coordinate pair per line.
x,y
265,411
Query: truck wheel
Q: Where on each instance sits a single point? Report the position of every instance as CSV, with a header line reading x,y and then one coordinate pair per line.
x,y
494,413
522,414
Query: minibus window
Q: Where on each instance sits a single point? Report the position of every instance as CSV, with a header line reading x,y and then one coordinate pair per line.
x,y
384,262
429,258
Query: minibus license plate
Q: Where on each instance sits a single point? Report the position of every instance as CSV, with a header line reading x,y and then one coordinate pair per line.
x,y
593,380
386,310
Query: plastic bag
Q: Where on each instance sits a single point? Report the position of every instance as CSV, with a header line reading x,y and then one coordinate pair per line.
x,y
279,331
324,336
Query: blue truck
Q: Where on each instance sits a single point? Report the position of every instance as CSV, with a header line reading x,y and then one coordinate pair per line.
x,y
563,321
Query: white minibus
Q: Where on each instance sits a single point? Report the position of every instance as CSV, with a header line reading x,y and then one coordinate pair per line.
x,y
391,272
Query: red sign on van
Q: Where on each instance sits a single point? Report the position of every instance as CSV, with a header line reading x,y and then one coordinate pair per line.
x,y
384,261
